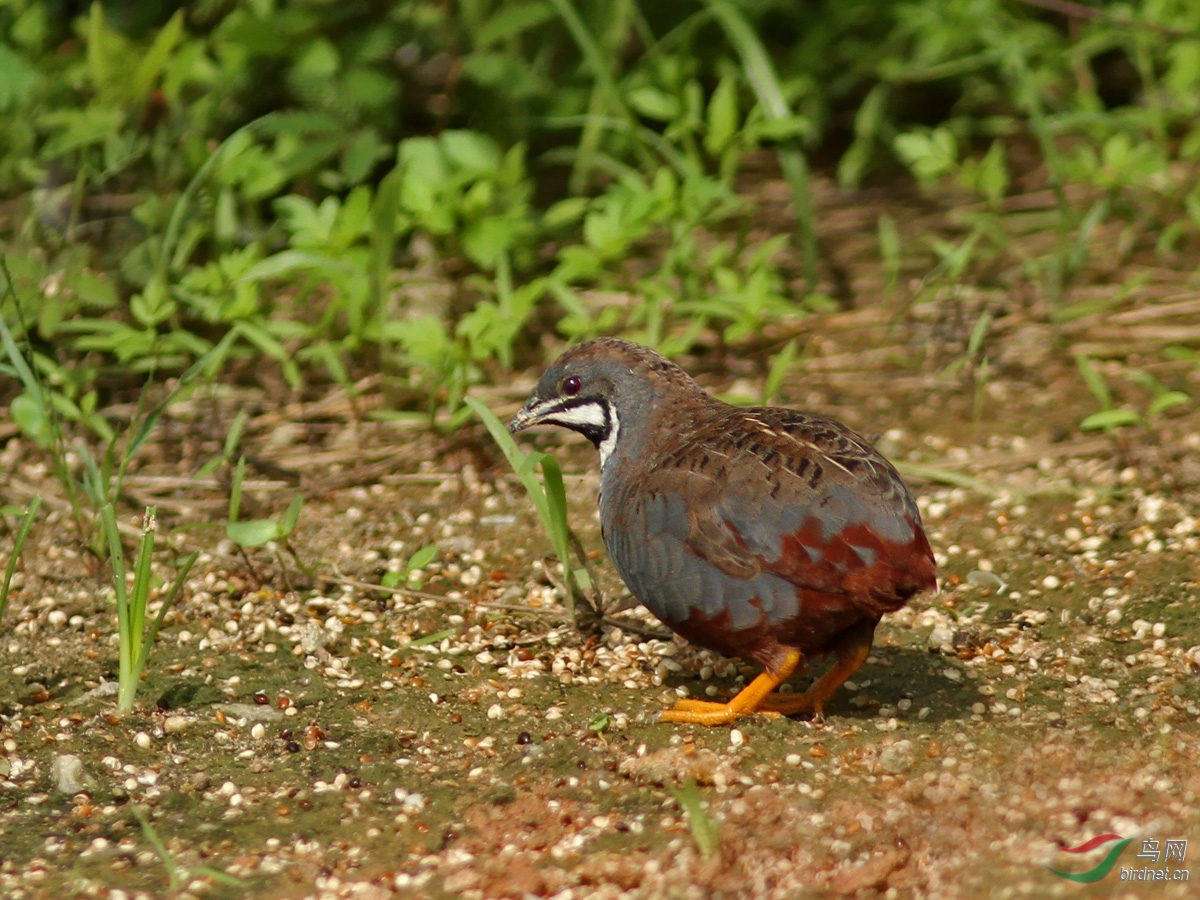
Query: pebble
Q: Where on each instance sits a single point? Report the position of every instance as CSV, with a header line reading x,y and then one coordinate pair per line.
x,y
66,771
143,740
176,724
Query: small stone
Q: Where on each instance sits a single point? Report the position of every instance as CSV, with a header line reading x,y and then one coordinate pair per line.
x,y
176,724
736,738
313,637
896,758
67,773
143,740
941,637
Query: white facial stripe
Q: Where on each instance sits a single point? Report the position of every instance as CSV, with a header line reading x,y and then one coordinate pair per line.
x,y
610,442
588,414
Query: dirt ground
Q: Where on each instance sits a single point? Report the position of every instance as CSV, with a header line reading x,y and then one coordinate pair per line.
x,y
303,734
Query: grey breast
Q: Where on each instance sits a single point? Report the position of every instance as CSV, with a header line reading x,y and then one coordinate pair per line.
x,y
653,539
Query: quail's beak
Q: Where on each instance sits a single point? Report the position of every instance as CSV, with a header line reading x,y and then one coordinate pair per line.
x,y
527,416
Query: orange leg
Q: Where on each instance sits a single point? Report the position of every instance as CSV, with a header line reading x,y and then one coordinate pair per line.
x,y
748,700
852,652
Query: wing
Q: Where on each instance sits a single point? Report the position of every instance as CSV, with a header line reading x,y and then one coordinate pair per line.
x,y
782,506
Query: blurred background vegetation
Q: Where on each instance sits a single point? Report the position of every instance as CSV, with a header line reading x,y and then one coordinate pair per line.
x,y
303,193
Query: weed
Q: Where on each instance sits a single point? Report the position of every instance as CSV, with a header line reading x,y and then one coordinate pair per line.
x,y
1111,417
410,575
777,372
257,532
15,553
549,499
134,640
706,831
176,873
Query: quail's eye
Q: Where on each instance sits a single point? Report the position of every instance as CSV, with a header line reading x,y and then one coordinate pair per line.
x,y
572,386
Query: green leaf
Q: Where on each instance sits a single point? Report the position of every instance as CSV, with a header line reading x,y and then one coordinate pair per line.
x,y
288,261
423,557
510,21
253,533
565,212
654,104
721,124
1108,419
475,153
361,154
978,333
485,240
760,72
31,417
288,523
434,638
1166,401
929,155
1094,381
17,79
152,64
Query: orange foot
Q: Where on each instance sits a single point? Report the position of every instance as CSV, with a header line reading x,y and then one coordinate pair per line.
x,y
749,700
759,696
851,654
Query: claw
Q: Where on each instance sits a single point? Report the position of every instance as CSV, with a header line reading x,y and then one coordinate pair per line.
x,y
747,701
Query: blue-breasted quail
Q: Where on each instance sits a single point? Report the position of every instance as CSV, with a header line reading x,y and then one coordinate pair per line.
x,y
764,533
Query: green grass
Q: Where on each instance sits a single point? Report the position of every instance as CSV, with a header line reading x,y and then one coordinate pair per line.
x,y
14,554
549,498
134,638
706,831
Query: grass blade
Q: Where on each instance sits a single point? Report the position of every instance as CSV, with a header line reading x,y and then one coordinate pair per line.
x,y
172,595
235,490
180,210
141,585
605,96
18,545
548,495
945,476
760,72
706,831
116,559
779,368
1094,381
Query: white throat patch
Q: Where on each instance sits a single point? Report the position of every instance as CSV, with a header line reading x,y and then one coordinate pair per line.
x,y
589,414
610,442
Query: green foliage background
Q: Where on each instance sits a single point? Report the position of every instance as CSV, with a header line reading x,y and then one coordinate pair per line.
x,y
422,188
